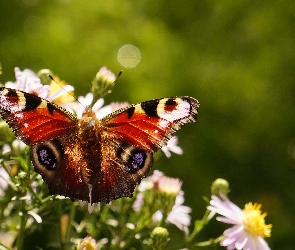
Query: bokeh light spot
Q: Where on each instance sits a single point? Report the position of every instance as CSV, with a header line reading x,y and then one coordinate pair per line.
x,y
129,56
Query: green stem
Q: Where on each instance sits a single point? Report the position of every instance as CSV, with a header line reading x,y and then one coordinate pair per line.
x,y
199,225
69,226
210,242
22,225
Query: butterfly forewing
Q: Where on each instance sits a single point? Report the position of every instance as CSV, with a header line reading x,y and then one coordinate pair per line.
x,y
149,125
32,118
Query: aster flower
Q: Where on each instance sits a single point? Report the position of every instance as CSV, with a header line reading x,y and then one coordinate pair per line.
x,y
249,228
173,147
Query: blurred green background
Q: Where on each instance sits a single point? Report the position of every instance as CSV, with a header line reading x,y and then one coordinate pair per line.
x,y
236,57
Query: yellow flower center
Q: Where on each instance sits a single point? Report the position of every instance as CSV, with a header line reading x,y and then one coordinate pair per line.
x,y
66,97
254,222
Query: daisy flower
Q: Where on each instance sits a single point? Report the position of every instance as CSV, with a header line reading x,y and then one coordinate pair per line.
x,y
249,228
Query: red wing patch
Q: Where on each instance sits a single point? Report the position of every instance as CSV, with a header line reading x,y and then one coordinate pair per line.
x,y
33,119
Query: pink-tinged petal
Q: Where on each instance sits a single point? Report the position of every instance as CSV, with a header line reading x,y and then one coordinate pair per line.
x,y
256,243
226,213
235,237
226,208
251,244
241,241
179,198
179,216
227,220
156,176
234,231
228,242
137,204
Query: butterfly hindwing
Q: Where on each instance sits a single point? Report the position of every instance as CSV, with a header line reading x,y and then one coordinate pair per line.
x,y
32,118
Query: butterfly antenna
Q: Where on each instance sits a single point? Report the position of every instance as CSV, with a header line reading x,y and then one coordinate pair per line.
x,y
62,87
108,89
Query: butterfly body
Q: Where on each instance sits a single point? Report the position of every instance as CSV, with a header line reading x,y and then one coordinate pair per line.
x,y
94,159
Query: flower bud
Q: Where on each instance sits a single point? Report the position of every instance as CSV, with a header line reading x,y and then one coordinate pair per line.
x,y
102,83
43,75
220,186
159,238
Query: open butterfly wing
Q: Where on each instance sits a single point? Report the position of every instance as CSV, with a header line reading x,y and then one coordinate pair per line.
x,y
32,118
149,125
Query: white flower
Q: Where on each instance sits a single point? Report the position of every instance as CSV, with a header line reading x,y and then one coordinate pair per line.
x,y
173,147
88,243
169,185
248,230
29,82
179,215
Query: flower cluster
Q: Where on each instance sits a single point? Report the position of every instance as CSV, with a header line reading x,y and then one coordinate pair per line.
x,y
141,222
165,198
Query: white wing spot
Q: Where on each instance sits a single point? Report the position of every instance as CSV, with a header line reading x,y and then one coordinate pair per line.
x,y
182,110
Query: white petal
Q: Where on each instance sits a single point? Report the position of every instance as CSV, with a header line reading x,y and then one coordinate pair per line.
x,y
262,244
101,113
157,216
99,103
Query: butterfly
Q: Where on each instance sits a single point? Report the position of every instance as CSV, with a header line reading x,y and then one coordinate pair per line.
x,y
94,159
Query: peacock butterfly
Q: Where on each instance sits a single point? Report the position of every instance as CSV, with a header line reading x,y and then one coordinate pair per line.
x,y
94,159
